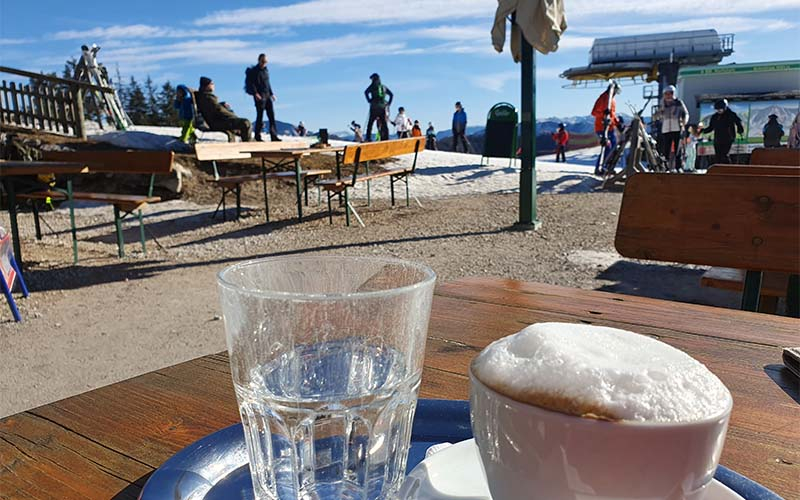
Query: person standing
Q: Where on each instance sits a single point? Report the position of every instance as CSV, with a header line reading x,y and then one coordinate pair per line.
x,y
430,137
416,131
301,129
258,86
773,132
794,133
725,124
561,137
356,128
184,103
376,97
672,113
402,123
605,123
460,128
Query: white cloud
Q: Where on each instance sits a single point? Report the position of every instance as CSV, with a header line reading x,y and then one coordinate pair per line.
x,y
676,8
455,32
495,82
139,31
15,41
723,25
319,12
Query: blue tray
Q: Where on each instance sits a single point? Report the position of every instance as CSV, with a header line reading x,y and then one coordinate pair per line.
x,y
215,467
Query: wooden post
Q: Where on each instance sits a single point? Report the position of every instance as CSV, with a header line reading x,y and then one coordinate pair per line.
x,y
62,110
39,108
51,109
27,98
14,106
527,176
77,96
3,103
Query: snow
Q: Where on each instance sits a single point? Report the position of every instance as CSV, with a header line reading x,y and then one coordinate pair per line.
x,y
438,173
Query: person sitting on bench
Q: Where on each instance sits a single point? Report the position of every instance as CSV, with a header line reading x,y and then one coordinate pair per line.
x,y
217,115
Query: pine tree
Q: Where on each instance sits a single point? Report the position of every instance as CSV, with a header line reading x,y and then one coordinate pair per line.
x,y
122,91
153,109
166,98
137,103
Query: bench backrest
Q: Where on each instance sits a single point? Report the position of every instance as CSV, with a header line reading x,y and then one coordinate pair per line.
x,y
753,170
776,156
240,150
118,162
717,220
368,151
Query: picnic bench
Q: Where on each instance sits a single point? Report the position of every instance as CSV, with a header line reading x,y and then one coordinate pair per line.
x,y
717,220
106,443
112,162
787,157
232,184
363,154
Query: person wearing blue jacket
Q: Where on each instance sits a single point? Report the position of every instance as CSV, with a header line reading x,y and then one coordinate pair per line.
x,y
460,128
184,103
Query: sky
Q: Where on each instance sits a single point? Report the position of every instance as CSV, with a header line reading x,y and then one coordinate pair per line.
x,y
430,53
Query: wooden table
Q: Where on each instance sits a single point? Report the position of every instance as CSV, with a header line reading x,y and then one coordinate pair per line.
x,y
12,169
291,156
105,443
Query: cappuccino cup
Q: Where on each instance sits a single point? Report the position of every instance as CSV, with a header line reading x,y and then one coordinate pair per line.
x,y
577,412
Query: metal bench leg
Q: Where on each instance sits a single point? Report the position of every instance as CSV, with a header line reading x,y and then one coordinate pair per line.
x,y
238,201
298,182
305,190
391,187
408,201
330,210
224,210
10,298
12,213
793,296
120,238
221,200
36,223
73,229
264,182
141,232
347,207
751,295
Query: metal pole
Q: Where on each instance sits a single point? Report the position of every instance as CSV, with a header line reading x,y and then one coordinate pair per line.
x,y
527,177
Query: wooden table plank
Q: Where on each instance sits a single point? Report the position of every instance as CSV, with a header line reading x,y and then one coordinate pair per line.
x,y
107,441
20,168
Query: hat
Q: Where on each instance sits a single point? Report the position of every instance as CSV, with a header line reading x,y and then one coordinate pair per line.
x,y
670,88
773,115
374,76
204,81
458,103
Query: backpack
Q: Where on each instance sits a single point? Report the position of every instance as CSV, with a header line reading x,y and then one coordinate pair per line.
x,y
250,80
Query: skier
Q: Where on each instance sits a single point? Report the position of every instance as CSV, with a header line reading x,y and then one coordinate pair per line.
x,y
257,85
725,124
402,123
430,137
184,103
356,128
773,132
561,137
605,122
416,131
672,114
460,128
378,105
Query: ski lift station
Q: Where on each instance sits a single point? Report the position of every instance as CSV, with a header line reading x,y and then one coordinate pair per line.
x,y
655,57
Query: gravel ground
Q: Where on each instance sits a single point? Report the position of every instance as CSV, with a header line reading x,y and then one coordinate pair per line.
x,y
108,319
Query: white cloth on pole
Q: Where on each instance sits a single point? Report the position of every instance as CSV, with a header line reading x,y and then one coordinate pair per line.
x,y
542,22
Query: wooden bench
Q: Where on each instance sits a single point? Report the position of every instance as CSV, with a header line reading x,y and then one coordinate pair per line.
x,y
784,157
773,170
113,162
232,184
716,220
363,154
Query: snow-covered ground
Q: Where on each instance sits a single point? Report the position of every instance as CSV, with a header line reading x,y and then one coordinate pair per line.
x,y
438,173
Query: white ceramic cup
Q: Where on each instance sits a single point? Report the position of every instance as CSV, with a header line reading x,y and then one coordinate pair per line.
x,y
531,453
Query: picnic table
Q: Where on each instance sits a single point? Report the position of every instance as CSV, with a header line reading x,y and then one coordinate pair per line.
x,y
272,160
106,442
9,170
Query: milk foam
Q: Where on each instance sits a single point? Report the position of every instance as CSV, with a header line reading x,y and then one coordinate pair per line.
x,y
602,371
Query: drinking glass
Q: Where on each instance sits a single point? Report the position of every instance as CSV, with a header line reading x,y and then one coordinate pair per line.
x,y
326,356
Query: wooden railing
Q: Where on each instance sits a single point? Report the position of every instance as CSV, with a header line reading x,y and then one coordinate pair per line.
x,y
51,104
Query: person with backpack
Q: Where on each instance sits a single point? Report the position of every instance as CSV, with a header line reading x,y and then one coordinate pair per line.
x,y
378,105
257,85
402,123
430,137
561,137
605,123
673,114
217,114
459,128
725,123
184,103
356,128
416,131
773,132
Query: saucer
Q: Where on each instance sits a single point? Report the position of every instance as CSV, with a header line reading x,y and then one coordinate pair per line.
x,y
455,473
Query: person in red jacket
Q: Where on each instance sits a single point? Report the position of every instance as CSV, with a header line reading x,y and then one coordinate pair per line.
x,y
561,137
605,122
